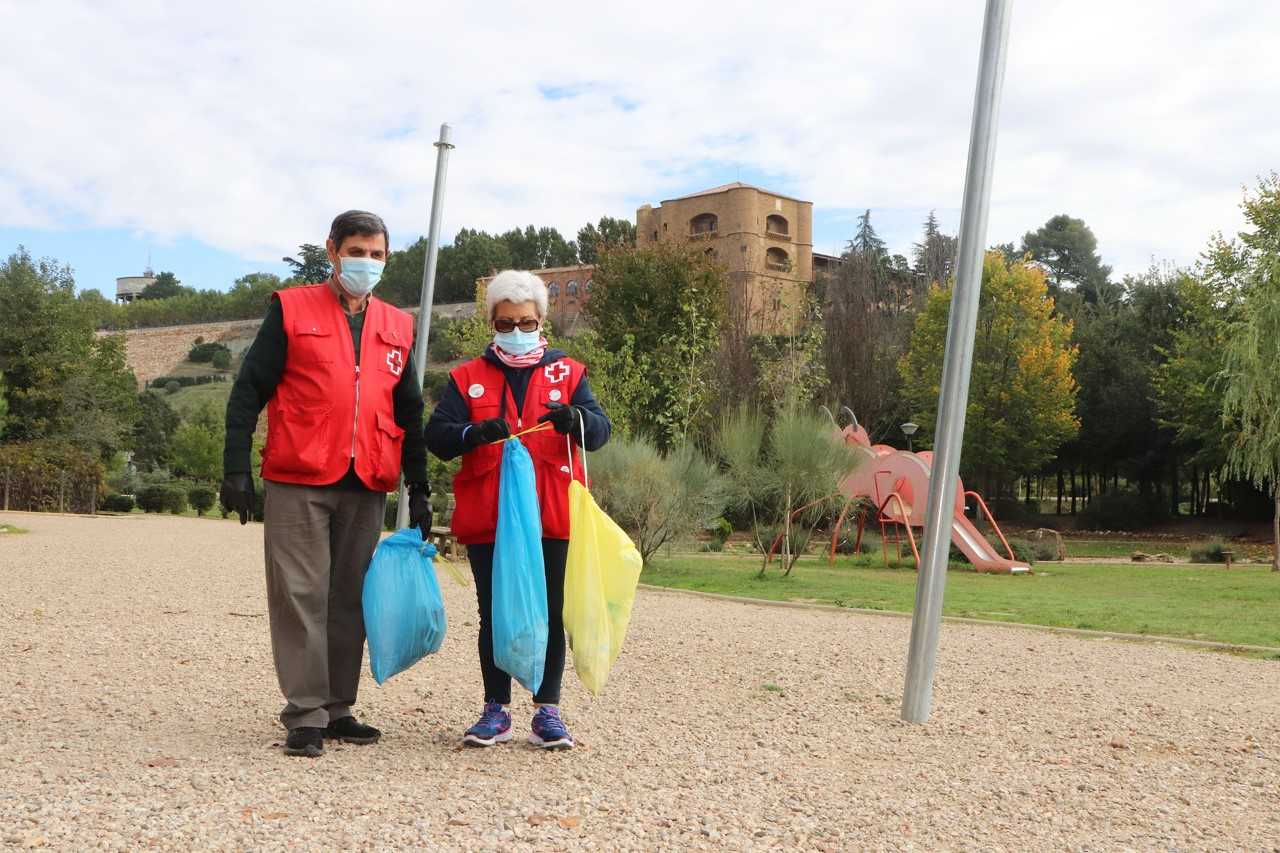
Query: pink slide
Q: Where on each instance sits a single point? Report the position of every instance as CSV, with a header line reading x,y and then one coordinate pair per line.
x,y
898,482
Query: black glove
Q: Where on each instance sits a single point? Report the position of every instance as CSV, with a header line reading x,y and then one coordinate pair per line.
x,y
420,507
487,432
237,494
566,419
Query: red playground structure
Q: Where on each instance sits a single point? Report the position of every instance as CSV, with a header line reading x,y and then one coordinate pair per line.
x,y
897,483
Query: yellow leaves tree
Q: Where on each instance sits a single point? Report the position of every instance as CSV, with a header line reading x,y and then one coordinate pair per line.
x,y
1022,395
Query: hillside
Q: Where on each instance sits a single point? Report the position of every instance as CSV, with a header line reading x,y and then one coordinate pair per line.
x,y
162,351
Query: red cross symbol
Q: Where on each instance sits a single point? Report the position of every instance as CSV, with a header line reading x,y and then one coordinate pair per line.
x,y
395,362
556,372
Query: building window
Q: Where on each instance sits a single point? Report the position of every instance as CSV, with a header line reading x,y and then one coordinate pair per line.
x,y
587,286
553,291
776,226
703,223
655,235
572,289
776,259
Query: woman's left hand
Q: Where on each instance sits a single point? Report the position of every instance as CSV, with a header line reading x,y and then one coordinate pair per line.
x,y
565,419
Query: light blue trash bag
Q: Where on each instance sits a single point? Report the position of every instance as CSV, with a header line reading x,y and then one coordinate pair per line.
x,y
519,576
403,610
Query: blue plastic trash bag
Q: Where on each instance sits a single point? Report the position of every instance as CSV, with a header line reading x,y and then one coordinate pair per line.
x,y
519,575
403,611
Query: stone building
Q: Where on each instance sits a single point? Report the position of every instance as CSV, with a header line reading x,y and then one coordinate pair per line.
x,y
763,239
567,291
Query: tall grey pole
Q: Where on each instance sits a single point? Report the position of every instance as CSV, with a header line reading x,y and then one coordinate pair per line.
x,y
427,300
957,363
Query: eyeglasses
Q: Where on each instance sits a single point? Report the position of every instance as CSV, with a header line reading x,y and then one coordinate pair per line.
x,y
504,325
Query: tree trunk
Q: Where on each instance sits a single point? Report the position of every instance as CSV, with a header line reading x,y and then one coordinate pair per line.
x,y
1173,486
1275,528
1195,491
1059,491
1073,490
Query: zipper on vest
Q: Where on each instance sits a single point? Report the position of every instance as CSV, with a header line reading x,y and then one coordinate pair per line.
x,y
355,425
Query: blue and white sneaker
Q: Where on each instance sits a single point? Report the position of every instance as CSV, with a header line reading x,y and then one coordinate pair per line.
x,y
494,726
549,731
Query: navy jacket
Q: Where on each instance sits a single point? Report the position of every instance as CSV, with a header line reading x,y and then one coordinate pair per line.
x,y
452,415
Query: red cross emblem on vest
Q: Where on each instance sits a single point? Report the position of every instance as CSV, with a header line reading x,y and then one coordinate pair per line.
x,y
395,362
557,372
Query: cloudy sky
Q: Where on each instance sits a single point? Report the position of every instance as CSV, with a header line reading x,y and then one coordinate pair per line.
x,y
217,140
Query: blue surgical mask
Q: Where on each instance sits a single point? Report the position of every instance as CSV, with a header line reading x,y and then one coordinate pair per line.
x,y
517,342
359,275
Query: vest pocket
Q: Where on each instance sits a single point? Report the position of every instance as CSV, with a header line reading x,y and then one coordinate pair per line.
x,y
553,494
298,439
390,444
312,345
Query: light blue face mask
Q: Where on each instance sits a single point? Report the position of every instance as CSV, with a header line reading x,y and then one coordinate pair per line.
x,y
359,275
517,342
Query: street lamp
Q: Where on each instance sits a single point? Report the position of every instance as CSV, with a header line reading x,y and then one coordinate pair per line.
x,y
909,429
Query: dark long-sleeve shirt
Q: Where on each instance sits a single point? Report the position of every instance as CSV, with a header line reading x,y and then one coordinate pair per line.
x,y
260,373
452,415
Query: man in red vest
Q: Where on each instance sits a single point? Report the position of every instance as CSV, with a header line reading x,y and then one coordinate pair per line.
x,y
334,367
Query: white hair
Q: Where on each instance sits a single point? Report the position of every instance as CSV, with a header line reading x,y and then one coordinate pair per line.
x,y
516,286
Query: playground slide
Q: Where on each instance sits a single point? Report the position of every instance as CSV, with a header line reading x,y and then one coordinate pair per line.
x,y
978,550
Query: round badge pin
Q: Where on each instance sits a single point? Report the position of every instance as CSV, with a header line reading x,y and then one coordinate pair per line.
x,y
476,391
554,395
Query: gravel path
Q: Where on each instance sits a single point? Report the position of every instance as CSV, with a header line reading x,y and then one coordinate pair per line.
x,y
142,701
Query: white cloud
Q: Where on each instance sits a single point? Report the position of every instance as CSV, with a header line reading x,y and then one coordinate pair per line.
x,y
248,125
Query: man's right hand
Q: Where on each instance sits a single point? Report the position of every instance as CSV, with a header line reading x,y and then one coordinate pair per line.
x,y
487,432
237,495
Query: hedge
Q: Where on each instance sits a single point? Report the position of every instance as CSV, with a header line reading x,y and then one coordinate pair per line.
x,y
163,497
46,476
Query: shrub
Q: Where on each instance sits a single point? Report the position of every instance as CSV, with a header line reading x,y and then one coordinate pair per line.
x,y
203,353
118,503
222,359
656,498
441,346
433,384
1122,512
1009,509
202,498
163,497
720,531
172,386
186,381
1022,550
1208,552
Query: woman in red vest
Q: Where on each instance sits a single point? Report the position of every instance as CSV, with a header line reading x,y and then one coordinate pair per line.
x,y
515,384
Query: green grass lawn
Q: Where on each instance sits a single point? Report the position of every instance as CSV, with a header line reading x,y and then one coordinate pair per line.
x,y
1200,602
1123,547
188,399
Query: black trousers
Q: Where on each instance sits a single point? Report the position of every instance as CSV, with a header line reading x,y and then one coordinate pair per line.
x,y
497,684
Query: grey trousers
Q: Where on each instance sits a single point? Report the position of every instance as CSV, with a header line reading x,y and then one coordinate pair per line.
x,y
318,546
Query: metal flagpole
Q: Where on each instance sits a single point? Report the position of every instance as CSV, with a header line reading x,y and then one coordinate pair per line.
x,y
443,146
957,362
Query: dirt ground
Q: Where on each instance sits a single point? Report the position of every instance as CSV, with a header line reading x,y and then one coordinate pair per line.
x,y
141,712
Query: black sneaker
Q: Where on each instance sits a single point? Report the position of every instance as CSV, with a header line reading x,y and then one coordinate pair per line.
x,y
348,730
307,741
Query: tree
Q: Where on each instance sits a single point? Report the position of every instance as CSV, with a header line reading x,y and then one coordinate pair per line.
x,y
251,294
784,476
1022,395
610,233
4,405
1251,399
539,248
311,265
935,255
153,431
1069,253
166,286
866,242
100,400
197,445
665,302
43,338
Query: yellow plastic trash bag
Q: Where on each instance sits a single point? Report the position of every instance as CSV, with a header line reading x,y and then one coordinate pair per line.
x,y
600,580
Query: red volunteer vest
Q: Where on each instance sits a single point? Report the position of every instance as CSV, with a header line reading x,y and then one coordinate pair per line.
x,y
327,408
475,488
